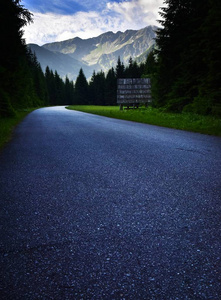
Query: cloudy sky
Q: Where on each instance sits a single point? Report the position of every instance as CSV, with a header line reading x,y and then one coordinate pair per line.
x,y
58,20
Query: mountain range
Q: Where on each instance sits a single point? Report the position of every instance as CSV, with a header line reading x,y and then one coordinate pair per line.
x,y
95,54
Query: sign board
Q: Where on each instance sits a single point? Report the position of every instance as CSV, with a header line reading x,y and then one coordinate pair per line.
x,y
133,91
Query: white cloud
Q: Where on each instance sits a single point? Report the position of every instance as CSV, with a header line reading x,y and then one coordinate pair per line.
x,y
54,27
140,12
134,14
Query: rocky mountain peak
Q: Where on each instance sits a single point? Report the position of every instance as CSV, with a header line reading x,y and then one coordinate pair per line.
x,y
95,53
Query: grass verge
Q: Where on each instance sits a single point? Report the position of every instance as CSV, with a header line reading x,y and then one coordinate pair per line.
x,y
8,124
185,121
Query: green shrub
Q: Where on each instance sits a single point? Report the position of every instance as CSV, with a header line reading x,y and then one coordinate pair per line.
x,y
6,109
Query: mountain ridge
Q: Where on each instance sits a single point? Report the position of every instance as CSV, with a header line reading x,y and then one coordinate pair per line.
x,y
96,53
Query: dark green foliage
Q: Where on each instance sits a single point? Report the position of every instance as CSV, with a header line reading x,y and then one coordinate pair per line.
x,y
50,81
103,89
185,66
69,91
6,109
13,17
39,81
24,85
188,73
12,52
81,89
22,82
111,88
150,65
59,92
120,68
97,88
132,70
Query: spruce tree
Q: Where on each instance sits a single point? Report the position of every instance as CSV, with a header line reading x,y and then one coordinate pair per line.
x,y
81,89
111,88
50,82
39,80
59,90
69,91
120,69
188,50
97,88
150,65
128,73
13,63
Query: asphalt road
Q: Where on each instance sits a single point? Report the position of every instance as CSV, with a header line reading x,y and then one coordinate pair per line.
x,y
97,208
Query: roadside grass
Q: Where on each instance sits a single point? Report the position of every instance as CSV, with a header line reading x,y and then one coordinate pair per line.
x,y
185,121
7,125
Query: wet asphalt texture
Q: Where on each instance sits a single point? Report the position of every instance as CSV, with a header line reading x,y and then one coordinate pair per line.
x,y
97,208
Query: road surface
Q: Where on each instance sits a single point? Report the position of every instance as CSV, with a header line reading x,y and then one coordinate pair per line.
x,y
97,208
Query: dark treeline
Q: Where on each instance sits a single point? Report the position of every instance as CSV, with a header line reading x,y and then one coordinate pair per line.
x,y
184,67
16,81
102,88
59,92
22,81
187,75
23,84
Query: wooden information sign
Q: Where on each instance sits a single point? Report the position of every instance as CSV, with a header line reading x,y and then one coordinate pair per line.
x,y
133,92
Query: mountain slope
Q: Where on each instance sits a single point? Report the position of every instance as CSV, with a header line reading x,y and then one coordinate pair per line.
x,y
97,53
64,64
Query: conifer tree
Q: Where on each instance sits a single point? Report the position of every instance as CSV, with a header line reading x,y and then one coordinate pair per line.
x,y
97,88
49,76
81,89
188,53
120,69
59,90
150,65
39,80
111,88
13,17
69,91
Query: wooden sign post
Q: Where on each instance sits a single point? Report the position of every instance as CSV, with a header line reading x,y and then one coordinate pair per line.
x,y
133,92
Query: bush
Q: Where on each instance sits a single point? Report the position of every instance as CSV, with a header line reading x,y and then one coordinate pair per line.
x,y
6,109
176,105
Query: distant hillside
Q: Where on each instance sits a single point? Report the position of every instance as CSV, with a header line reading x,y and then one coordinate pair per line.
x,y
64,64
102,52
